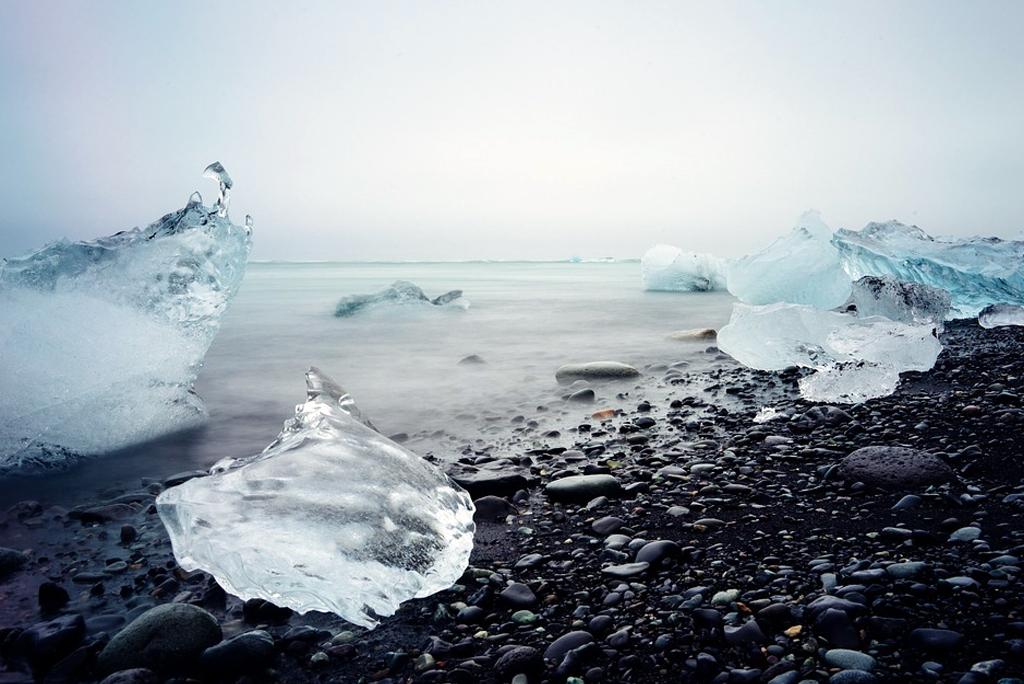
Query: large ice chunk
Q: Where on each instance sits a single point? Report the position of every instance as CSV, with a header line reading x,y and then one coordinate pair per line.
x,y
900,301
101,340
332,516
855,358
664,267
800,268
998,315
400,292
975,271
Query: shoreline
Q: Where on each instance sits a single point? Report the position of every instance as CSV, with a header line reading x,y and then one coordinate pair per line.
x,y
767,566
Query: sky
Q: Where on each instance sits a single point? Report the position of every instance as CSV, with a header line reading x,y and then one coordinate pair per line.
x,y
511,130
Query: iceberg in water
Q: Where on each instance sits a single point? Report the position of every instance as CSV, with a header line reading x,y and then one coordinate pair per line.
x,y
998,315
332,516
664,267
800,268
400,292
900,301
854,358
975,271
102,340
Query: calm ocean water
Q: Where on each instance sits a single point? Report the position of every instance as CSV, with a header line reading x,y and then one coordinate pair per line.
x,y
401,362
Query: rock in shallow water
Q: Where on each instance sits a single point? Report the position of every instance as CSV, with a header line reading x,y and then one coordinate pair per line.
x,y
332,516
596,370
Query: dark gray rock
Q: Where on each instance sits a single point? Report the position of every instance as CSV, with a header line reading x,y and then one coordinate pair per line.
x,y
247,653
583,487
167,638
894,467
491,508
518,595
524,660
137,675
596,370
11,560
565,643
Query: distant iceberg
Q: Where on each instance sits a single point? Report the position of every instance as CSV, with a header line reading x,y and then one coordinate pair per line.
x,y
975,271
802,267
854,358
332,516
668,268
102,340
400,292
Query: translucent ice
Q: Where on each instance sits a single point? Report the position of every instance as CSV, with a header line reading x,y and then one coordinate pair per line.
x,y
400,292
975,271
800,268
664,267
332,516
101,340
998,315
855,358
900,301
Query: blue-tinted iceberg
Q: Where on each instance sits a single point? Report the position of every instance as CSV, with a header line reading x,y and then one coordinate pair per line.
x,y
102,340
400,292
854,358
900,301
668,268
800,268
332,516
975,271
999,315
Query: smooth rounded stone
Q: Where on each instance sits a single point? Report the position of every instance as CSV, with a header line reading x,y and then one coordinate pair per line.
x,y
481,483
626,569
565,643
490,508
656,551
472,360
52,597
246,653
607,525
678,511
930,639
583,396
524,617
521,660
694,335
853,677
747,633
46,643
165,638
138,675
894,467
595,370
11,560
583,487
907,502
906,569
965,534
848,659
819,415
518,595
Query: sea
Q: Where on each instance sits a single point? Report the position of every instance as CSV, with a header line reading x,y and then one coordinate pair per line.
x,y
401,363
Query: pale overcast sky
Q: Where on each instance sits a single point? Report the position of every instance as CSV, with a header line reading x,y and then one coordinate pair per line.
x,y
426,130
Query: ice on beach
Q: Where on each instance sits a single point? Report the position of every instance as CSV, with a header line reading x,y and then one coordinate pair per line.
x,y
332,516
998,315
102,340
800,268
668,268
975,271
854,358
400,292
900,300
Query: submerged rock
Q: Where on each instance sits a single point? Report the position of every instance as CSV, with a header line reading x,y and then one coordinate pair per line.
x,y
332,516
595,370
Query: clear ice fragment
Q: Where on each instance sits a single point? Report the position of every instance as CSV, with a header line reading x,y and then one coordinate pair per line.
x,y
332,516
102,340
855,358
800,268
668,268
216,172
975,271
998,315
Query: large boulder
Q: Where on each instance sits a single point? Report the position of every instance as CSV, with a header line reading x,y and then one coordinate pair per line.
x,y
894,467
595,370
167,638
